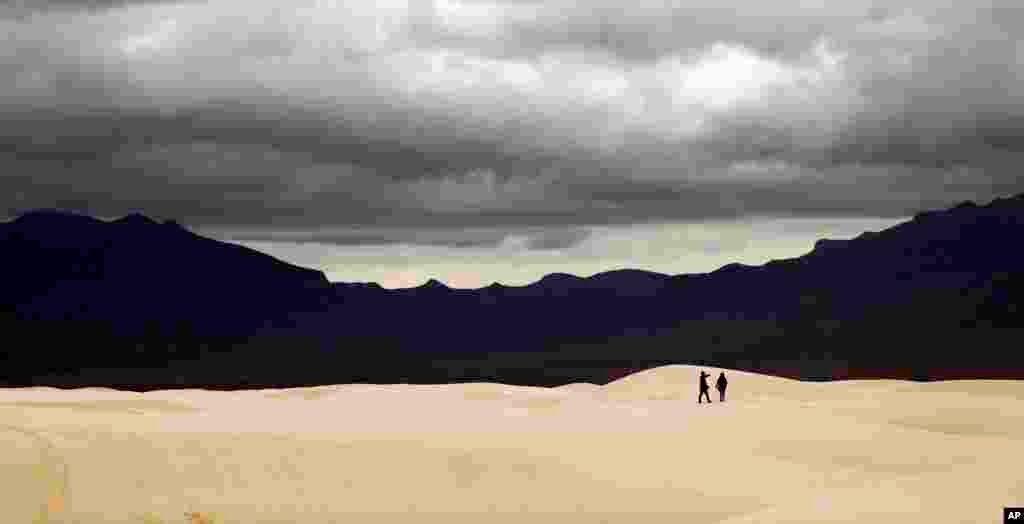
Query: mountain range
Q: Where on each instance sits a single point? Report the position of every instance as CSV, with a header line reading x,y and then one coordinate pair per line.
x,y
139,304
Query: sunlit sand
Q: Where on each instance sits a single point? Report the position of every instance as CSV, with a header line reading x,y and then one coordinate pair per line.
x,y
637,450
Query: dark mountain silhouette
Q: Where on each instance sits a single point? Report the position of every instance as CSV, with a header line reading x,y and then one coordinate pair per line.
x,y
934,297
59,265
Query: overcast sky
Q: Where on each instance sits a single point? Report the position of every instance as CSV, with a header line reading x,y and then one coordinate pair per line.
x,y
476,141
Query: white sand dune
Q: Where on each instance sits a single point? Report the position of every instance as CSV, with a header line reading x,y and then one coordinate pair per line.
x,y
638,450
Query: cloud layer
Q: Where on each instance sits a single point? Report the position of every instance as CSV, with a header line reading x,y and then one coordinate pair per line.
x,y
463,114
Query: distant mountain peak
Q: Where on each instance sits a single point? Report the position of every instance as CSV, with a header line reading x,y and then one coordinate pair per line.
x,y
59,216
627,272
829,243
734,267
50,215
1011,201
136,219
559,277
433,284
53,253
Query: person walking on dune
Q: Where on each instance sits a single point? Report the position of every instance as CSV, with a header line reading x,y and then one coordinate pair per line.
x,y
704,388
720,385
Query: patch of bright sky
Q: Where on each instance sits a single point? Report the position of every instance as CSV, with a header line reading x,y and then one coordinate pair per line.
x,y
666,248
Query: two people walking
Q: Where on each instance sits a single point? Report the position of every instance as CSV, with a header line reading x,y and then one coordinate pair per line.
x,y
720,385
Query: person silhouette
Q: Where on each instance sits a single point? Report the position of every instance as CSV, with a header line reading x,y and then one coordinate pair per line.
x,y
720,385
703,388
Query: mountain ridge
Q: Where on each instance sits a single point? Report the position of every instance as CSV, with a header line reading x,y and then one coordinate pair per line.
x,y
896,303
820,245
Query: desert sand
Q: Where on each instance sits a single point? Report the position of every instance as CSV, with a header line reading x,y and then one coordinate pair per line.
x,y
638,450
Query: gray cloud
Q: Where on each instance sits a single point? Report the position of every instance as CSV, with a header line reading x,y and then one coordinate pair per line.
x,y
637,31
452,239
28,7
514,239
507,114
560,239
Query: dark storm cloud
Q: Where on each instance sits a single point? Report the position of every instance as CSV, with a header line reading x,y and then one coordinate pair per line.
x,y
507,114
390,146
455,239
538,239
